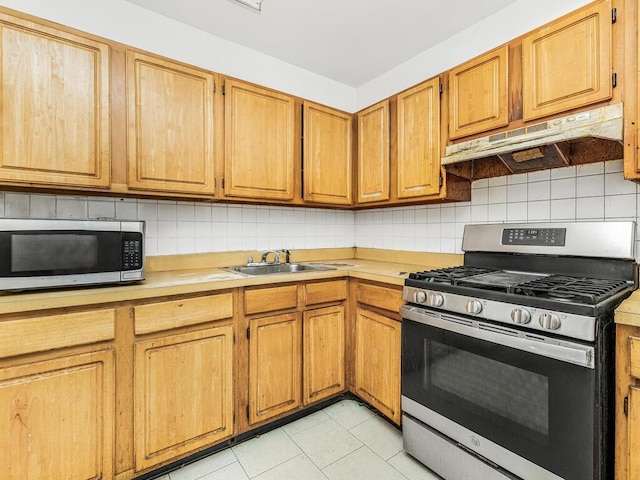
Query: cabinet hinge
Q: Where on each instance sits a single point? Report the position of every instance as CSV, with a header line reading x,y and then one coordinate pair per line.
x,y
248,333
625,405
441,89
440,181
614,80
223,90
215,87
223,183
614,15
247,412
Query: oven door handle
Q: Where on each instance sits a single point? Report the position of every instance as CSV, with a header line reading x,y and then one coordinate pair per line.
x,y
562,350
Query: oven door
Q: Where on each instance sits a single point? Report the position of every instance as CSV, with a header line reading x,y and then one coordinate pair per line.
x,y
526,402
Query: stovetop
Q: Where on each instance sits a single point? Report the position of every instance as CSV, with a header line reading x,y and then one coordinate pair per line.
x,y
554,288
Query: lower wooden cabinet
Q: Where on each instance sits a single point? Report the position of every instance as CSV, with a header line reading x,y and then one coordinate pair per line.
x,y
274,365
323,358
377,362
183,394
58,419
627,402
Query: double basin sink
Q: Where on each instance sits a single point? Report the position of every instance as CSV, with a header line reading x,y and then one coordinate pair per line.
x,y
274,268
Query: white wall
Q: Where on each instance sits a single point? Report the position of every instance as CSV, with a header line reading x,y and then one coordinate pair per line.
x,y
588,192
132,25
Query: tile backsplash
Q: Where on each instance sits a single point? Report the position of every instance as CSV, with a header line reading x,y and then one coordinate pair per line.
x,y
588,192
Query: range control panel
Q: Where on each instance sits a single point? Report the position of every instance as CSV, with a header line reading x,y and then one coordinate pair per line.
x,y
552,237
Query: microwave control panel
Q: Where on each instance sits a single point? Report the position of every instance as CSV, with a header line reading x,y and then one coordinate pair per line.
x,y
132,251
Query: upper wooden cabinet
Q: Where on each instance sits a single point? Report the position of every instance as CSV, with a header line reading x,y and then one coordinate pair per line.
x,y
373,153
478,94
55,106
327,155
260,142
170,126
418,140
568,63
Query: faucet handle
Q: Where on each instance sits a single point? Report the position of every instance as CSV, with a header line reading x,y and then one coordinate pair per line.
x,y
287,255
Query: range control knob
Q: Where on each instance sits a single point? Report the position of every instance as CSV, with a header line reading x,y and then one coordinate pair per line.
x,y
436,300
520,315
549,321
473,307
421,296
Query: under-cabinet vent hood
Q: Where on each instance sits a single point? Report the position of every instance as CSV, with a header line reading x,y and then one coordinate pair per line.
x,y
593,135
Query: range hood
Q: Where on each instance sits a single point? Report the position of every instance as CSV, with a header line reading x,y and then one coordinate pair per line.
x,y
584,137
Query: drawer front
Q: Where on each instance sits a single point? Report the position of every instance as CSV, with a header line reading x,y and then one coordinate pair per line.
x,y
634,356
270,299
381,297
156,317
38,334
324,292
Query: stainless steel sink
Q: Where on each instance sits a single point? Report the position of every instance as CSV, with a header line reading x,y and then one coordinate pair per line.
x,y
274,268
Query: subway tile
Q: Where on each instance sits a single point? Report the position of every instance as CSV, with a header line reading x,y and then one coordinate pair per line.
x,y
479,213
249,214
167,245
447,213
538,190
590,208
564,172
101,209
463,212
620,206
517,179
614,166
483,183
219,213
186,245
563,209
126,209
517,192
234,213
66,207
167,210
42,206
498,212
539,211
615,184
517,212
497,181
202,212
590,186
498,194
147,210
480,196
590,169
539,176
563,188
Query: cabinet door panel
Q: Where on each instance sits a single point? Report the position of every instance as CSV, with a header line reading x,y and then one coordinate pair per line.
x,y
478,95
373,153
634,433
323,345
274,366
58,419
377,369
170,132
260,136
569,64
327,155
55,106
418,125
183,394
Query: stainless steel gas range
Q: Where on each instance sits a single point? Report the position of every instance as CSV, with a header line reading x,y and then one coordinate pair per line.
x,y
507,360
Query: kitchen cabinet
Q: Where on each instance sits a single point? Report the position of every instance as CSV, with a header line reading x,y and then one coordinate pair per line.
x,y
568,64
57,392
55,107
261,156
627,402
376,344
478,94
296,346
171,136
418,140
183,380
373,182
327,155
323,353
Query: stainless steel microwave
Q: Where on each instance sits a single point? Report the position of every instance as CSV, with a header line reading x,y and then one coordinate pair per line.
x,y
47,253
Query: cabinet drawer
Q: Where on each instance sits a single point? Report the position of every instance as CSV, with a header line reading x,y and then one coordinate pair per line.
x,y
324,292
634,356
38,334
270,299
381,297
181,313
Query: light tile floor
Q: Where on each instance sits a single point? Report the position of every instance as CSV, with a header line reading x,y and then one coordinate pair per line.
x,y
345,441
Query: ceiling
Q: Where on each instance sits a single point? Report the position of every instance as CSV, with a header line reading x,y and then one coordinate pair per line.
x,y
349,41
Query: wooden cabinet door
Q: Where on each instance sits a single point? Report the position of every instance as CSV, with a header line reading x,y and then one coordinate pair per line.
x,y
170,133
274,365
568,65
55,106
418,140
183,394
377,369
260,137
58,418
478,94
323,357
633,431
327,155
373,153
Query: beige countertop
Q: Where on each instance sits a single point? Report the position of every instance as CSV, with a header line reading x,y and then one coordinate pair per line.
x,y
186,274
628,313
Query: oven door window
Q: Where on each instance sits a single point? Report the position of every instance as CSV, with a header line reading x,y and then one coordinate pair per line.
x,y
537,407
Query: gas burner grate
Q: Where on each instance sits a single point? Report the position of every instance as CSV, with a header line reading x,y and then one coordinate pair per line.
x,y
449,275
583,290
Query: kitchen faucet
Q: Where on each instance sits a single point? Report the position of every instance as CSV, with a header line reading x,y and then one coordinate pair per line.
x,y
276,256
